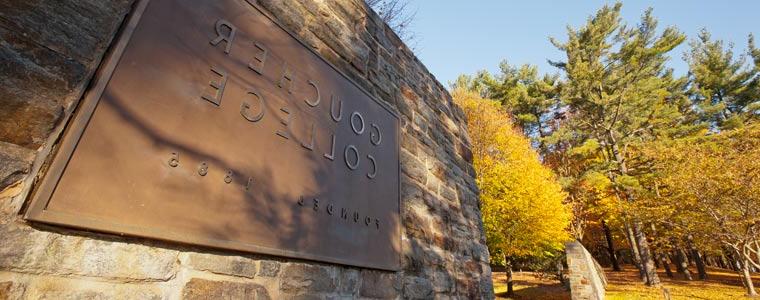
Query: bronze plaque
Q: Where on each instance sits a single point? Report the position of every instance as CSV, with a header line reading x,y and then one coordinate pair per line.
x,y
210,124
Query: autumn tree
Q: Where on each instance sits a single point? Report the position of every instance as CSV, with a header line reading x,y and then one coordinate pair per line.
x,y
617,122
619,92
534,102
522,203
713,184
671,224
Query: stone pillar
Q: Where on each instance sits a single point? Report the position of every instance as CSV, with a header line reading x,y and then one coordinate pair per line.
x,y
586,276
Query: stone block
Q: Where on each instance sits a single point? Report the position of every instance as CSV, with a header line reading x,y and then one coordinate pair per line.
x,y
585,281
348,281
416,222
30,90
287,12
15,162
298,278
58,287
486,287
221,264
19,248
412,166
268,268
479,252
26,120
433,185
448,193
442,281
207,289
97,294
378,284
417,288
47,49
77,29
420,122
467,287
411,193
89,257
28,250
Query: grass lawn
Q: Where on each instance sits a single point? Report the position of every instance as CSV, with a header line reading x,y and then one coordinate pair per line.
x,y
529,286
721,284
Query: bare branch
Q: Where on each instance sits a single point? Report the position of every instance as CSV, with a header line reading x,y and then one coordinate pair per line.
x,y
397,14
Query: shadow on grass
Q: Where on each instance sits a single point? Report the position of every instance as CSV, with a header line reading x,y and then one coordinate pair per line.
x,y
528,286
548,292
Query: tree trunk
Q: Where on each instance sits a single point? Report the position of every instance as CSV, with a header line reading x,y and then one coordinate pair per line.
x,y
747,279
634,249
726,262
510,290
655,257
647,262
701,271
610,247
679,266
665,264
733,262
690,256
697,258
656,261
683,264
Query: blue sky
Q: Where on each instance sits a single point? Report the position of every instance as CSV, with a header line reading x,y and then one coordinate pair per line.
x,y
456,37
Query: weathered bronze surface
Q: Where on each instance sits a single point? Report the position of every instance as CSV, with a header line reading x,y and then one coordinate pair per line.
x,y
210,124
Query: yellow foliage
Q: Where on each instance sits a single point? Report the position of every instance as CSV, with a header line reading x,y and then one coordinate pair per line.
x,y
710,186
522,201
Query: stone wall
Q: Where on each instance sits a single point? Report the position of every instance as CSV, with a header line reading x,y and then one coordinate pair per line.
x,y
586,276
49,51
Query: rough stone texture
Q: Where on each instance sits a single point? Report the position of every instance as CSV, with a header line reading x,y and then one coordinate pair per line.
x,y
97,293
8,290
376,284
348,282
29,251
47,49
202,289
417,288
15,163
50,49
221,264
268,268
299,279
586,276
56,287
